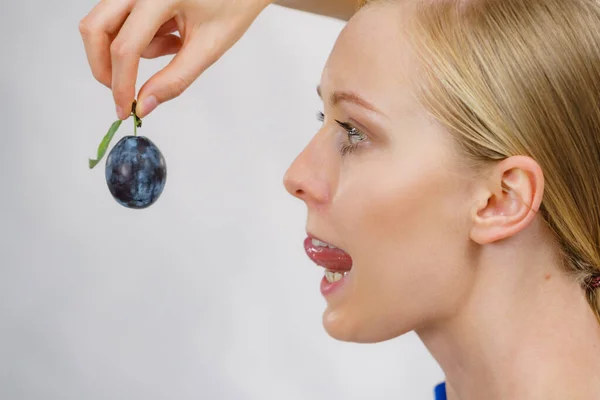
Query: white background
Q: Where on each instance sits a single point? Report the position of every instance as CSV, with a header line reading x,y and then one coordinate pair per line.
x,y
208,293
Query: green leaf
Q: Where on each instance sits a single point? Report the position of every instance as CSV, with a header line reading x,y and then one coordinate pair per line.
x,y
104,144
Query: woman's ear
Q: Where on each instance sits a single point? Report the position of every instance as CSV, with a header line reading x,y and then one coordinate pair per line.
x,y
507,200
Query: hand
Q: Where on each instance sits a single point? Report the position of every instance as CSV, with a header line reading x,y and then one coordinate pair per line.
x,y
117,33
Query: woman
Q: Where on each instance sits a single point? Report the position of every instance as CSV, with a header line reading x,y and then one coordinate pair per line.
x,y
453,189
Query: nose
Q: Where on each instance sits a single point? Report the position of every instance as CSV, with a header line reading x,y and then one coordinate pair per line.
x,y
307,178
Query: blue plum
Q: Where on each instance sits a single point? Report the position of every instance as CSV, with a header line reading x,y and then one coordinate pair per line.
x,y
136,172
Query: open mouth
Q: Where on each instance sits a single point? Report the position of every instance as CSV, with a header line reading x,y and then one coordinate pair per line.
x,y
337,262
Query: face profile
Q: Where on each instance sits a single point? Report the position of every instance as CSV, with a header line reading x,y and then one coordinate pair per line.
x,y
382,182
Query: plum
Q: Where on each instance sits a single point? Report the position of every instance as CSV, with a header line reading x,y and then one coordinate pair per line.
x,y
136,172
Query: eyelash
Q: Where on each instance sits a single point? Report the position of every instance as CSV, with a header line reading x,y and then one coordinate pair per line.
x,y
347,148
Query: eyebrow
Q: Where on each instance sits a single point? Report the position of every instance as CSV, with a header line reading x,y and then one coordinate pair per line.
x,y
337,97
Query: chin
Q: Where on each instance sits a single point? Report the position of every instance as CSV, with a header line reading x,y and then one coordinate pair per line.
x,y
352,328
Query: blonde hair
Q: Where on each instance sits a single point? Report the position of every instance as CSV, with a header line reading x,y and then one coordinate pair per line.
x,y
522,77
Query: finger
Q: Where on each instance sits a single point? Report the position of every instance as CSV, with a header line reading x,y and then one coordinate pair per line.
x,y
134,37
193,59
162,46
97,28
168,27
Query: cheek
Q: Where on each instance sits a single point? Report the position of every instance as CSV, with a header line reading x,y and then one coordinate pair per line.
x,y
406,233
399,208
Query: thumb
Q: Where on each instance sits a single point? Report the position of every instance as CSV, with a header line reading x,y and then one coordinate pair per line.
x,y
194,58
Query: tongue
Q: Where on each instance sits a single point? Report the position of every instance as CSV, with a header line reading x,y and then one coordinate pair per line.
x,y
332,259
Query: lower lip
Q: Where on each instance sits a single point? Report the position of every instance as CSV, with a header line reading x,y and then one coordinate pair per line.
x,y
328,288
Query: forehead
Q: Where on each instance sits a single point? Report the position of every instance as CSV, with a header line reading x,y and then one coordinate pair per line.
x,y
373,56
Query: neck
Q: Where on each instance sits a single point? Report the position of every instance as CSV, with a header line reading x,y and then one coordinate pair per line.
x,y
526,332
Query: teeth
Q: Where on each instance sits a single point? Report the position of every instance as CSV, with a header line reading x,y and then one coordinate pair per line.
x,y
317,242
332,276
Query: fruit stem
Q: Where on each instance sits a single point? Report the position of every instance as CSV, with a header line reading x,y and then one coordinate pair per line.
x,y
137,122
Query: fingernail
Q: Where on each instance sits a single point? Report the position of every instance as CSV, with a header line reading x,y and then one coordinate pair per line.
x,y
148,104
120,113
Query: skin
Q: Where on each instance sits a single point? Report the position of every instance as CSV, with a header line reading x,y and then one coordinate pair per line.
x,y
456,254
117,34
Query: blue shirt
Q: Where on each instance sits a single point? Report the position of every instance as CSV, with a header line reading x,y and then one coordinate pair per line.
x,y
440,391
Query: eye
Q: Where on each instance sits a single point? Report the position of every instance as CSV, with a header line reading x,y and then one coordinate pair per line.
x,y
355,136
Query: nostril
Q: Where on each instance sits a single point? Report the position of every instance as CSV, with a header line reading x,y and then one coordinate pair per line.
x,y
299,192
